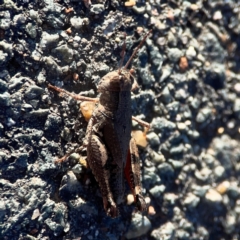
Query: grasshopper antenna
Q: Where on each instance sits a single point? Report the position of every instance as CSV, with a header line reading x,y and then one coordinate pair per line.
x,y
122,54
136,49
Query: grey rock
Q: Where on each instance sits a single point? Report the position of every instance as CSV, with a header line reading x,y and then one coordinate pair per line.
x,y
210,41
37,182
46,210
48,40
150,178
138,226
181,234
53,122
165,232
19,20
157,191
177,164
97,9
155,57
181,94
21,161
234,190
50,6
80,206
153,139
5,21
191,53
3,86
236,106
181,126
219,172
165,170
225,151
69,184
52,67
66,134
166,95
55,20
55,227
64,53
230,222
3,58
175,150
157,157
215,76
103,69
41,78
77,169
31,29
203,115
208,159
203,174
173,107
203,232
35,214
6,52
16,82
33,14
174,54
193,134
166,72
146,76
191,201
33,92
200,190
5,99
213,196
172,40
139,10
78,22
195,103
162,124
36,114
3,210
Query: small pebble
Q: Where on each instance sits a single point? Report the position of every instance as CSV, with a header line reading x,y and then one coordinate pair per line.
x,y
130,3
213,196
151,210
183,64
130,199
223,187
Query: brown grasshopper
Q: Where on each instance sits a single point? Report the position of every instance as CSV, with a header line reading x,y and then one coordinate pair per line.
x,y
111,152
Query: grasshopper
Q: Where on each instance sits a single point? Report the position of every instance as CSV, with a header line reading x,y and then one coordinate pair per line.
x,y
111,152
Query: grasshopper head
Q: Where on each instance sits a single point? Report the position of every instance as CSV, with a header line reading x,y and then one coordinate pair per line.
x,y
121,79
116,81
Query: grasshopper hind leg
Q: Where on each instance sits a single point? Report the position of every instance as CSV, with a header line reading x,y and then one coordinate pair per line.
x,y
97,160
132,174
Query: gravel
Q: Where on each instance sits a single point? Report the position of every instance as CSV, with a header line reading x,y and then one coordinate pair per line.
x,y
189,91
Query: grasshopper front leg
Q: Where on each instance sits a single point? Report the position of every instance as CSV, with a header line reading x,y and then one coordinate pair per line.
x,y
132,174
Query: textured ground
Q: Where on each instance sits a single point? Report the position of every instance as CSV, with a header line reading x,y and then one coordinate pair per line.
x,y
188,71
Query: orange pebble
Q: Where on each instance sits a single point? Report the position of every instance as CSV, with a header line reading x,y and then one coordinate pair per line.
x,y
130,3
183,64
140,138
69,31
151,210
87,109
75,76
68,10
